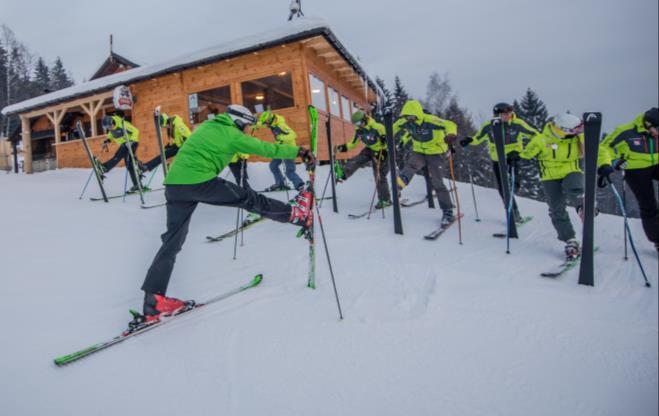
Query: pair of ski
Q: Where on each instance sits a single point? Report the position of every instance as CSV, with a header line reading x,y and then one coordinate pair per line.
x,y
440,230
245,225
144,327
564,267
518,224
126,194
405,202
362,215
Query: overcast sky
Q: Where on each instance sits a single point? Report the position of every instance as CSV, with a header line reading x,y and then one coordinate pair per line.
x,y
598,55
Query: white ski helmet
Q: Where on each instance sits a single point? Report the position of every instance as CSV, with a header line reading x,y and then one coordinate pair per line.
x,y
240,115
568,124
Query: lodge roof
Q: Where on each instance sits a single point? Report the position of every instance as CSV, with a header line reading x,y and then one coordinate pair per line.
x,y
295,30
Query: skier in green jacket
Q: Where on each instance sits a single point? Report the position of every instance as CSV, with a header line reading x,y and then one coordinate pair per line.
x,y
283,135
515,129
372,134
177,132
193,179
636,147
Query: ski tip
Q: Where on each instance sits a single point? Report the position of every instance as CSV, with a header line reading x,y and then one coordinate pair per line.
x,y
257,279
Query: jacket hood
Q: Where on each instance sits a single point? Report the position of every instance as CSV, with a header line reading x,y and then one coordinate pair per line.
x,y
412,108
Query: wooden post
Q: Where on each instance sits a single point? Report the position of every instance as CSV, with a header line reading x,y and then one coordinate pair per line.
x,y
26,135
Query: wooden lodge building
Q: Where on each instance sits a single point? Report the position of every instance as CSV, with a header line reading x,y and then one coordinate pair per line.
x,y
285,69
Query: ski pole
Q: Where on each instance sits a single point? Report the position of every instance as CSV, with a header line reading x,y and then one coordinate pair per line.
x,y
377,176
510,209
243,182
455,189
322,197
329,262
624,203
151,178
84,188
629,234
235,239
125,185
473,193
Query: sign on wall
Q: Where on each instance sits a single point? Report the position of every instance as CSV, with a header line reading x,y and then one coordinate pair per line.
x,y
122,98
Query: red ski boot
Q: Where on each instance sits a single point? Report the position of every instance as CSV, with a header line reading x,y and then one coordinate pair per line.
x,y
301,210
157,306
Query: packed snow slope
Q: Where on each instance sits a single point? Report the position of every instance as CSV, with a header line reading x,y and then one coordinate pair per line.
x,y
431,327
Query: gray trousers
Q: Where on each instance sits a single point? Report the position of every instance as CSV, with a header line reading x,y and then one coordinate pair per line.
x,y
380,170
560,193
417,161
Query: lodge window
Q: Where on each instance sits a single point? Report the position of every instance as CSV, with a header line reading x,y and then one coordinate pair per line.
x,y
317,93
334,102
345,107
205,104
273,92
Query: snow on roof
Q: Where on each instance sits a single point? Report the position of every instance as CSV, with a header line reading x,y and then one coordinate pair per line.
x,y
291,31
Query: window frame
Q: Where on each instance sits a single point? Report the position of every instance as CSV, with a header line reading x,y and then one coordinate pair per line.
x,y
189,93
268,74
324,92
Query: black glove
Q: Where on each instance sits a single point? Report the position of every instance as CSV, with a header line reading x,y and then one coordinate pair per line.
x,y
466,141
603,173
451,139
620,164
307,157
513,156
341,148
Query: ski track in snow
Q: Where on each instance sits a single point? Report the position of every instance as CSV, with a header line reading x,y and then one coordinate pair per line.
x,y
431,327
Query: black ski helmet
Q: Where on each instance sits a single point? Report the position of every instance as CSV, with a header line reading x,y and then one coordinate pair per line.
x,y
651,117
107,122
502,108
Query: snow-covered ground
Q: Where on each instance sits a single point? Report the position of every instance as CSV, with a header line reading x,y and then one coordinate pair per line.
x,y
430,328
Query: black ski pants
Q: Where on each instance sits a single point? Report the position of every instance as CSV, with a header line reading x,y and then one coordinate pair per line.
x,y
181,203
497,175
123,154
641,182
170,151
380,169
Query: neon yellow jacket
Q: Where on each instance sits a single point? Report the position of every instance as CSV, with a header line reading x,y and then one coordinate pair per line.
x,y
283,134
179,132
631,142
116,135
557,157
514,131
372,135
428,132
239,156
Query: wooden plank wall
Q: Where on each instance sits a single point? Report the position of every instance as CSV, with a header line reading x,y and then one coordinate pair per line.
x,y
171,93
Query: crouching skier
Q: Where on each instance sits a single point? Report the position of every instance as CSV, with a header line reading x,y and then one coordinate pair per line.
x,y
193,179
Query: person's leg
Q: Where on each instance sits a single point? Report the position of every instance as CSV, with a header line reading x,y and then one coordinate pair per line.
x,y
357,162
118,156
274,168
380,171
514,167
245,176
236,171
179,212
414,162
443,196
292,175
640,181
557,212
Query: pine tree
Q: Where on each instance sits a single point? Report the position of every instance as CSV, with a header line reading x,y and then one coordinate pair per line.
x,y
532,109
58,76
41,78
400,96
438,94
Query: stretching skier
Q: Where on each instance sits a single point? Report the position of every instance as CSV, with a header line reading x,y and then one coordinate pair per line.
x,y
515,129
431,139
636,146
177,132
114,126
193,179
372,134
558,149
283,135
